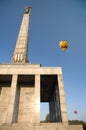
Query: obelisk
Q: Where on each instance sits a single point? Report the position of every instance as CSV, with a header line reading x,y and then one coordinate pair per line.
x,y
20,52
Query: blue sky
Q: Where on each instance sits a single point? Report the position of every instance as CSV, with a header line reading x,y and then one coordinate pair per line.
x,y
51,21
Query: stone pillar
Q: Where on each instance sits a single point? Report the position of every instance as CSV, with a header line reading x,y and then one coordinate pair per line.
x,y
50,113
0,90
51,107
54,112
37,99
9,118
54,106
16,106
57,104
21,49
4,103
62,100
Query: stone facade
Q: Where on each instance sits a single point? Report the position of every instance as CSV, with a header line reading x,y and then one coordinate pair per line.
x,y
23,86
22,92
20,97
41,126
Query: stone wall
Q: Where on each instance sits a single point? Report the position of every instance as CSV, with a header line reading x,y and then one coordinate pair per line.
x,y
26,105
20,104
4,103
76,127
41,126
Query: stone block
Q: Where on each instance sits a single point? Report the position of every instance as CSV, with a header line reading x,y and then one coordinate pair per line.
x,y
61,91
62,99
5,127
44,126
64,117
14,78
37,118
40,128
52,128
16,127
27,128
76,127
63,107
37,108
5,99
5,91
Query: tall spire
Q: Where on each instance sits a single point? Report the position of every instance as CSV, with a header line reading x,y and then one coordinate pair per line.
x,y
20,52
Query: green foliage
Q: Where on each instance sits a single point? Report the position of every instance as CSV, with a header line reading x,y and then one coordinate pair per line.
x,y
77,122
47,119
71,122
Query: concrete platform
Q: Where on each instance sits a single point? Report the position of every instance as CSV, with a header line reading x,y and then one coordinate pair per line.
x,y
40,126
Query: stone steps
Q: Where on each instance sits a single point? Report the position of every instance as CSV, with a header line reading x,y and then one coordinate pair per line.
x,y
40,126
28,126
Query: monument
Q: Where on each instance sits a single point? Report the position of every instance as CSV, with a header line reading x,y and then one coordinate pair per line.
x,y
23,86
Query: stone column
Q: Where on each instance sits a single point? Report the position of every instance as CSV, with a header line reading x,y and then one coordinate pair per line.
x,y
62,100
21,49
50,113
51,110
57,104
54,112
37,99
0,90
9,118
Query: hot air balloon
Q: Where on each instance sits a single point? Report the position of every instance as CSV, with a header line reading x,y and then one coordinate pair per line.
x,y
63,45
75,111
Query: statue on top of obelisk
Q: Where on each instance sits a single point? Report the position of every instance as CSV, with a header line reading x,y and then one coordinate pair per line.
x,y
20,52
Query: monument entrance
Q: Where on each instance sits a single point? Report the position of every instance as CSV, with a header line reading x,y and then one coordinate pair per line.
x,y
50,93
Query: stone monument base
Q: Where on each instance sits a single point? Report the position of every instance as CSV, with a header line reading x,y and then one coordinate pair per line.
x,y
40,126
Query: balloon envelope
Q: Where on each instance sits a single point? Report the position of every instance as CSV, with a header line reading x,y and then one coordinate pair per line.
x,y
75,111
63,45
